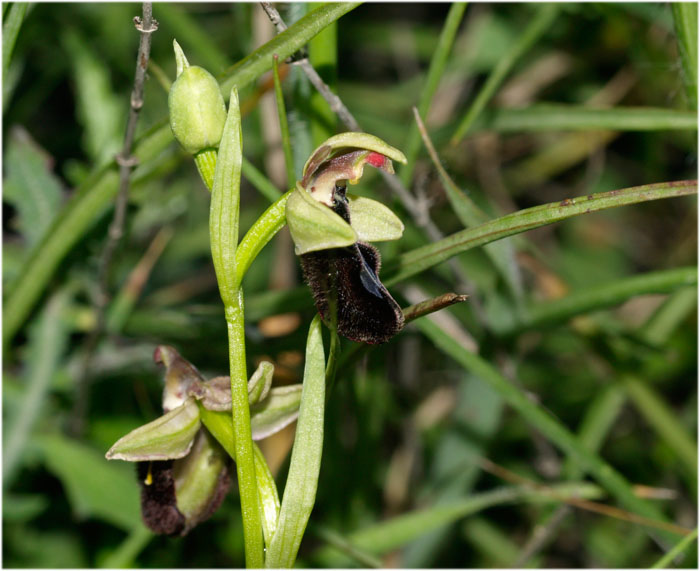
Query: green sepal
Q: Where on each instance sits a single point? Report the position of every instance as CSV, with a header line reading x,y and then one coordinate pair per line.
x,y
215,394
372,221
280,408
166,438
197,479
314,226
352,140
260,382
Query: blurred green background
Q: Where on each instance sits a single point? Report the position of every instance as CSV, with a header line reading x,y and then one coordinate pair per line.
x,y
406,425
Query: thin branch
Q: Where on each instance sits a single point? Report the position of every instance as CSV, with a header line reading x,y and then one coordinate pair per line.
x,y
541,535
431,305
126,161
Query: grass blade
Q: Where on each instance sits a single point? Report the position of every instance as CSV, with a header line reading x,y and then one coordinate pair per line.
x,y
679,548
538,26
284,125
549,426
664,421
435,71
284,44
555,117
685,21
10,31
300,490
420,259
606,295
389,535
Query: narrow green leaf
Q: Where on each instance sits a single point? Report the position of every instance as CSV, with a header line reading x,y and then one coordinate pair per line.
x,y
284,44
502,253
225,199
685,21
677,549
559,117
10,30
124,556
284,124
75,219
432,80
599,418
300,490
539,24
666,319
547,424
95,488
664,421
386,536
418,260
100,110
602,296
263,184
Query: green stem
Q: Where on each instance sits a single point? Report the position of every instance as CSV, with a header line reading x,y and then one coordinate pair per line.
x,y
284,125
223,231
245,461
259,234
220,426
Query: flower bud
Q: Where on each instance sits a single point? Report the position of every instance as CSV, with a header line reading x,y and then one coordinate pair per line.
x,y
197,108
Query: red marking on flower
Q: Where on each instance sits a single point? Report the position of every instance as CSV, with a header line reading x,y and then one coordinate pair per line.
x,y
376,159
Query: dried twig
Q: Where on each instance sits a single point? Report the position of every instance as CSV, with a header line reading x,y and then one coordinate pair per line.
x,y
603,509
431,305
126,161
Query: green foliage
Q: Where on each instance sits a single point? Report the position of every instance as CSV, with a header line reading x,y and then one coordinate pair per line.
x,y
569,129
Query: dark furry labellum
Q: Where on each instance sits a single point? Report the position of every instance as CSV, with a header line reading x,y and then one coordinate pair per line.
x,y
348,279
158,505
159,509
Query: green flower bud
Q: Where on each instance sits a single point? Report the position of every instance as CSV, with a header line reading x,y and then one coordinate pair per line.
x,y
197,108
